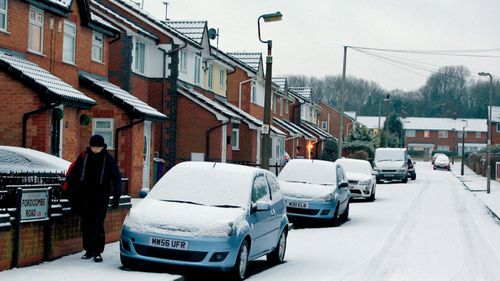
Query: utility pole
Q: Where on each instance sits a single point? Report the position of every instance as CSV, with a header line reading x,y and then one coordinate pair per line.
x,y
342,98
387,99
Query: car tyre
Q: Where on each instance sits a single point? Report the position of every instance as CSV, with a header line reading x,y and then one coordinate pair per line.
x,y
414,177
128,263
405,180
345,215
372,196
277,256
240,268
336,219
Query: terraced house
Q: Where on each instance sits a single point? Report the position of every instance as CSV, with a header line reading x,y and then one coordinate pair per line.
x,y
53,70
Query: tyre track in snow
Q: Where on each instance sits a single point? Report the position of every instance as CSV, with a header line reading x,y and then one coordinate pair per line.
x,y
391,261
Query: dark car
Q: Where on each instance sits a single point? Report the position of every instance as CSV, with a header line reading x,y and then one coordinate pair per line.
x,y
411,168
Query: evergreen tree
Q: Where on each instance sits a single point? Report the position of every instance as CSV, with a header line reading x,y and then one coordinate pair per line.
x,y
330,151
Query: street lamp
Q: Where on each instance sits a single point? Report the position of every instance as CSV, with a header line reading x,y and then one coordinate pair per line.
x,y
387,122
404,114
266,132
463,146
488,153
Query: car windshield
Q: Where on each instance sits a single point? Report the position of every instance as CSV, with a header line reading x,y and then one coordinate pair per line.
x,y
355,166
309,171
389,155
220,185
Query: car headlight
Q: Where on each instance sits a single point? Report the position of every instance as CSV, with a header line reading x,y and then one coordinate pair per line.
x,y
231,230
328,197
365,182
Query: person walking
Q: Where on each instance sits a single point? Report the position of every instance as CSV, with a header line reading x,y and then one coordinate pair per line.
x,y
93,177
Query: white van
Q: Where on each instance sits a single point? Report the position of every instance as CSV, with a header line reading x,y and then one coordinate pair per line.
x,y
390,164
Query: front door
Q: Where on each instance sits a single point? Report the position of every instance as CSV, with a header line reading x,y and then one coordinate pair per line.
x,y
147,155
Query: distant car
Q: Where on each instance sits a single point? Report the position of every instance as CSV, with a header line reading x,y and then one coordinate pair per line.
x,y
390,164
435,156
208,215
315,189
442,162
411,168
361,178
25,160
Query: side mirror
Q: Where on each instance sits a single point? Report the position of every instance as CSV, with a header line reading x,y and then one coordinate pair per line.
x,y
261,206
343,185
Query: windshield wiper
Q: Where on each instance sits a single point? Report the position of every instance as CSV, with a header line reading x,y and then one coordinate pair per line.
x,y
182,201
326,184
226,206
297,181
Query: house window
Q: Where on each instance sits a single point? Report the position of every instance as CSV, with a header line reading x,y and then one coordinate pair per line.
x,y
498,127
410,133
460,134
183,61
222,81
69,42
97,46
281,105
427,134
103,127
210,76
197,70
443,134
140,55
286,106
478,135
35,39
3,15
275,103
443,148
253,94
324,125
235,138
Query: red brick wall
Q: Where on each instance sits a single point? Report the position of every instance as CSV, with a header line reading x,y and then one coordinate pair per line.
x,y
451,141
248,144
334,121
233,84
5,249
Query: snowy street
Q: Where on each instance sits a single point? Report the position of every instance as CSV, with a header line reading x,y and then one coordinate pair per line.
x,y
428,229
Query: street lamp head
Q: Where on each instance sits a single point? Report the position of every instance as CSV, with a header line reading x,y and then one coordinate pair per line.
x,y
272,17
483,74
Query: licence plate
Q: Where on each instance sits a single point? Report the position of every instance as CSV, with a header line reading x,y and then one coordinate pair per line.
x,y
168,243
294,204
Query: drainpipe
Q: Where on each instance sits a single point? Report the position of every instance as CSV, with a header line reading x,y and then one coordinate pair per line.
x,y
28,114
117,134
239,91
207,142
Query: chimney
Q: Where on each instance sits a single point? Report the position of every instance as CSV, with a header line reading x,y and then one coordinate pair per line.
x,y
166,10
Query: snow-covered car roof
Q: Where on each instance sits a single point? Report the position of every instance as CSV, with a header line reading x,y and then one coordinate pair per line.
x,y
310,171
355,166
18,159
207,183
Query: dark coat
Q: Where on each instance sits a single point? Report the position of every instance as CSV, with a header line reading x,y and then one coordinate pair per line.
x,y
92,179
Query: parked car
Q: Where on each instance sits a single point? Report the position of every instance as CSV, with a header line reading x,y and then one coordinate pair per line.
x,y
315,189
435,156
443,162
19,160
361,178
208,215
411,168
390,164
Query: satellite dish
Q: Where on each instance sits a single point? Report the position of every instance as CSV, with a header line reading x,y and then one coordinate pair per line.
x,y
212,33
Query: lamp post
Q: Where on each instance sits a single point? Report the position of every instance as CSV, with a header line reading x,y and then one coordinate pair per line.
x,y
404,114
266,128
488,154
387,121
463,146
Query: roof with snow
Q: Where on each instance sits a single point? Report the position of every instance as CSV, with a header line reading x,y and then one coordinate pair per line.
x,y
96,5
293,129
129,102
43,82
250,59
495,114
351,114
63,3
304,92
280,81
428,123
194,30
95,18
313,128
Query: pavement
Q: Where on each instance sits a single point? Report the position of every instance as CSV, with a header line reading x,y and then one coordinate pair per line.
x,y
477,185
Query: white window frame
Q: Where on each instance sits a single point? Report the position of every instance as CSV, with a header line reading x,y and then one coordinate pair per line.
x,y
324,125
253,92
410,133
281,106
236,145
99,45
96,130
183,61
139,63
478,135
197,69
275,103
442,134
37,24
286,105
222,78
210,76
5,13
69,36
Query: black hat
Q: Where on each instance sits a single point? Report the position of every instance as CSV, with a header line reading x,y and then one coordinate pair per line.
x,y
97,140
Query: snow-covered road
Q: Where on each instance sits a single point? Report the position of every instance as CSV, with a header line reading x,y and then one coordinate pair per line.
x,y
428,229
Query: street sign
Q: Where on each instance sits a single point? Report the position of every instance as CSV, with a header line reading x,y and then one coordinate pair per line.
x,y
265,129
35,204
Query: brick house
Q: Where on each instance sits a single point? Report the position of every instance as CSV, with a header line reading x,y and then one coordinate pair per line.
x,y
495,124
50,47
329,120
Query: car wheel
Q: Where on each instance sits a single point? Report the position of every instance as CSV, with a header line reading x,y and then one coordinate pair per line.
x,y
128,263
405,180
240,268
378,181
434,167
414,177
372,196
335,220
345,215
277,256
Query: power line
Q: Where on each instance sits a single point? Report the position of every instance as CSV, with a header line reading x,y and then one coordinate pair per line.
x,y
460,53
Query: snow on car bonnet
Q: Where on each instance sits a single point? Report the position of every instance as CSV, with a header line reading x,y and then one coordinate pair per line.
x,y
206,183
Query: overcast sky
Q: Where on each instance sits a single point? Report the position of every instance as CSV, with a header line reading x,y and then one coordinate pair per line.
x,y
310,38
